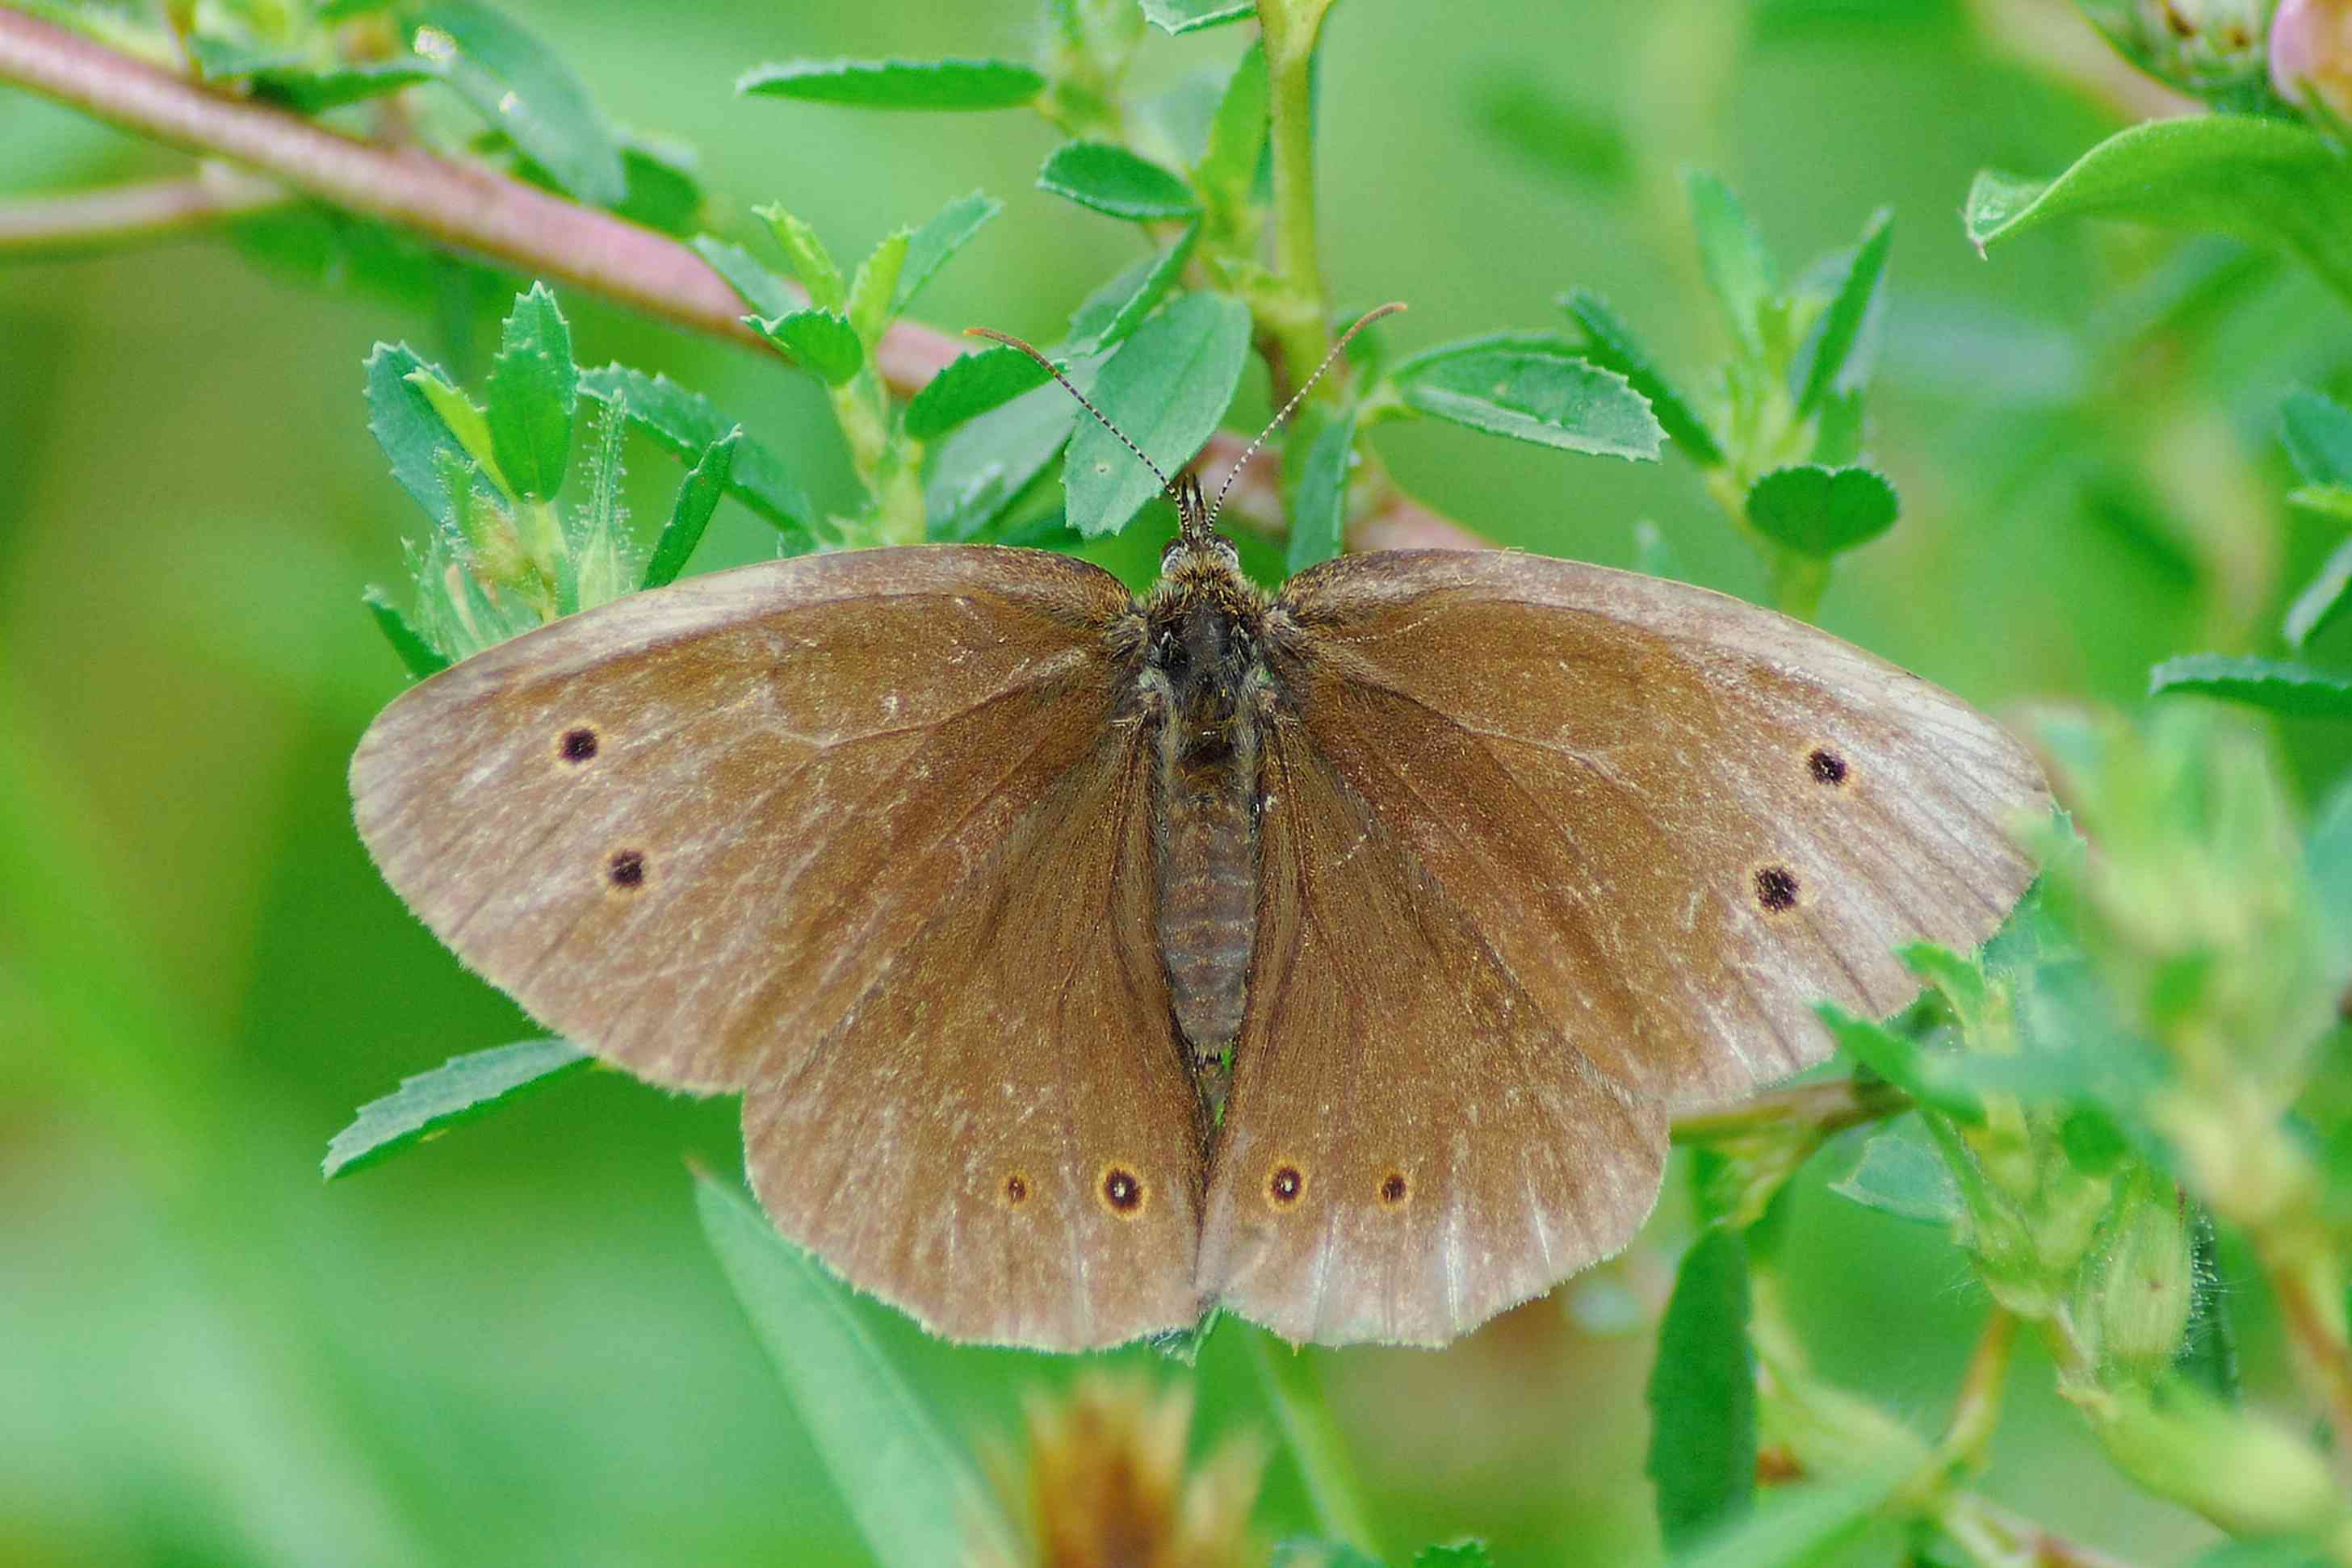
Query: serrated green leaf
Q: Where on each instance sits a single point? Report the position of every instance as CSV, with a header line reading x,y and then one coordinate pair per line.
x,y
877,283
2270,685
2323,600
464,419
534,390
1835,356
1900,1172
687,424
824,344
1237,133
2318,435
1740,269
1928,1077
1114,181
1702,1394
767,294
1166,386
1796,1527
697,498
1107,315
915,1501
1174,16
2260,180
970,386
937,241
430,1102
951,84
1958,981
1318,502
1821,512
402,419
515,83
1537,393
1610,344
810,262
420,657
314,91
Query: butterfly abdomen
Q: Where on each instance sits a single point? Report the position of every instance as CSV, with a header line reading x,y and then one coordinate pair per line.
x,y
1204,665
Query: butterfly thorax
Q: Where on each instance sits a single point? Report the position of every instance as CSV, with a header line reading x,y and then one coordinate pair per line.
x,y
1205,679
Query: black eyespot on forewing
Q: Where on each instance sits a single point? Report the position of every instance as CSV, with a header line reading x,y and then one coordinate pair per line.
x,y
1285,1185
1394,1190
1016,1190
1826,766
1776,889
626,869
578,745
1122,1191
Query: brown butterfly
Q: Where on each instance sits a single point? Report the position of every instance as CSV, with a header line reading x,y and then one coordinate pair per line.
x,y
1335,956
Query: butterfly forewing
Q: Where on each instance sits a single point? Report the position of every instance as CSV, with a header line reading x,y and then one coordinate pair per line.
x,y
1676,821
1006,1143
1410,1146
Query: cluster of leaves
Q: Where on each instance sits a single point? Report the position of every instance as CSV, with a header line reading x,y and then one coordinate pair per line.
x,y
2318,433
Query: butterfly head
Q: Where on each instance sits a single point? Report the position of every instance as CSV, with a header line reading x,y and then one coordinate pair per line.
x,y
1198,548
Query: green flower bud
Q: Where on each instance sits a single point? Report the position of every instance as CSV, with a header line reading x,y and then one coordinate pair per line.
x,y
2244,1473
2133,1299
2213,48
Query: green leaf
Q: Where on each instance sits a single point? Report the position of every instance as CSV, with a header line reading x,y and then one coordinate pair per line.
x,y
431,1102
1702,1394
954,84
1738,269
1319,499
2260,180
1900,1172
767,294
421,656
914,1498
1837,438
818,342
463,418
987,464
534,390
810,261
2333,503
1306,1551
1796,1527
687,424
1829,362
2268,684
1109,314
2318,435
1610,344
697,498
1468,1553
2208,1351
665,187
1959,981
1510,386
938,241
877,283
1821,512
2321,601
403,420
1173,17
308,91
1228,165
1568,139
1167,386
1116,182
1930,1078
970,386
513,82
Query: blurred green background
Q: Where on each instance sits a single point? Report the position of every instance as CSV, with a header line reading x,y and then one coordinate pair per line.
x,y
512,1345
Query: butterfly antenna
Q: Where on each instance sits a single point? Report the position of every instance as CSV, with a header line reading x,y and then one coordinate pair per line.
x,y
1366,319
1009,340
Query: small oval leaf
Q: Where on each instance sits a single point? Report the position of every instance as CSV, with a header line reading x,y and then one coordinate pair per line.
x,y
1115,182
951,84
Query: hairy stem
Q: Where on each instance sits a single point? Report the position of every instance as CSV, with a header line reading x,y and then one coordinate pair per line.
x,y
137,214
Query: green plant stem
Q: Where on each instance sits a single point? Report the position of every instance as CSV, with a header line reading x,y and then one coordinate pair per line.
x,y
2310,1293
1995,1538
136,214
1975,1411
1296,315
1829,1106
1293,1381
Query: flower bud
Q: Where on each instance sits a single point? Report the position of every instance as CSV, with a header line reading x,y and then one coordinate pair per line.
x,y
2311,54
2134,1298
2210,48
